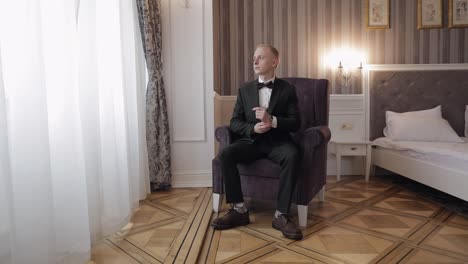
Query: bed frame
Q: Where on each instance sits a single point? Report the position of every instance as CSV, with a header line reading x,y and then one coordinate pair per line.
x,y
415,87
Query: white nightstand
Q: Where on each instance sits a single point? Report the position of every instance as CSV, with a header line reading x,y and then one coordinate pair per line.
x,y
351,148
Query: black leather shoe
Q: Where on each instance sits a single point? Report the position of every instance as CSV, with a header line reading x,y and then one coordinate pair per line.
x,y
287,227
230,220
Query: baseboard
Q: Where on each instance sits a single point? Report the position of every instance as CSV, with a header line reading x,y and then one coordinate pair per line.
x,y
187,179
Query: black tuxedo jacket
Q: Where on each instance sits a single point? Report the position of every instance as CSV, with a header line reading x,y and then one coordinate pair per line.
x,y
283,105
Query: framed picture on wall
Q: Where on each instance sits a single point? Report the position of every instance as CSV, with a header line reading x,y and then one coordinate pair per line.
x,y
458,13
429,14
378,14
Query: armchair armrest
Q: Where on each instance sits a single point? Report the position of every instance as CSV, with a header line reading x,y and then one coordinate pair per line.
x,y
315,136
223,135
313,142
326,133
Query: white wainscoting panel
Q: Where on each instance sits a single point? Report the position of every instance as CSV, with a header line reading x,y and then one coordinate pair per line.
x,y
184,61
188,76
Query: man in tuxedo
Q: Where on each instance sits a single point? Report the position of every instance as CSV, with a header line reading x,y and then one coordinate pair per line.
x,y
265,113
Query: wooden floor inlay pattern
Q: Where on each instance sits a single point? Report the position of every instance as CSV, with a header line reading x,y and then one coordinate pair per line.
x,y
360,222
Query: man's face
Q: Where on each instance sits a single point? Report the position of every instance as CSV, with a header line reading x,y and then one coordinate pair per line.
x,y
264,61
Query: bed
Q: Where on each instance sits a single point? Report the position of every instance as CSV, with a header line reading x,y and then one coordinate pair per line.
x,y
403,88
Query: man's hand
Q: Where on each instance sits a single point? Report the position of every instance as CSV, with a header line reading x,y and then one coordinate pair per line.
x,y
262,127
262,114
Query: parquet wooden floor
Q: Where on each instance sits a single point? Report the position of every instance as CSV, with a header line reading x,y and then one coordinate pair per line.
x,y
360,222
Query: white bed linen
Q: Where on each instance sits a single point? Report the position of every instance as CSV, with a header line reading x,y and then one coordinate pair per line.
x,y
449,155
438,160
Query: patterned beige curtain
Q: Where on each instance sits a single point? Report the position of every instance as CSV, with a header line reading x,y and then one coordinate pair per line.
x,y
157,125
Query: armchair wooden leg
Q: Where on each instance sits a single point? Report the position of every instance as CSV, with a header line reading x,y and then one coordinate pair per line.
x,y
302,214
217,202
321,194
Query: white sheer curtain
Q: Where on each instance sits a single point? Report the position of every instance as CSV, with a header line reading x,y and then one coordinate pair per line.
x,y
73,161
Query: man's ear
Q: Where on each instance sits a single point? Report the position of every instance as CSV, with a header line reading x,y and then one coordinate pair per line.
x,y
276,62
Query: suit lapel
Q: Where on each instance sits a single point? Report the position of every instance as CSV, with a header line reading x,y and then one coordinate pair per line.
x,y
253,93
275,95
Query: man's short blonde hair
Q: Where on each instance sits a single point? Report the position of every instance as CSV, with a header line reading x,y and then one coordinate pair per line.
x,y
272,49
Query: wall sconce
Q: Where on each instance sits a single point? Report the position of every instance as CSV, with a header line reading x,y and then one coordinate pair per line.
x,y
348,60
346,72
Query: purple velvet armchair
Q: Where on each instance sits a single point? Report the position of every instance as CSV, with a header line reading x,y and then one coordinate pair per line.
x,y
260,178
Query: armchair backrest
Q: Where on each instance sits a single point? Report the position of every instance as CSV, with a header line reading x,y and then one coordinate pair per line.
x,y
313,98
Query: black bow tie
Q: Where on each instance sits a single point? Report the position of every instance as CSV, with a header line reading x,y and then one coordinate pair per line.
x,y
267,84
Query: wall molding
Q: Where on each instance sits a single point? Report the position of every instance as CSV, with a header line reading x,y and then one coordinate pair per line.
x,y
228,98
192,178
414,67
188,73
171,6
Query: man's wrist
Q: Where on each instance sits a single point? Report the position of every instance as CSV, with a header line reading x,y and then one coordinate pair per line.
x,y
274,122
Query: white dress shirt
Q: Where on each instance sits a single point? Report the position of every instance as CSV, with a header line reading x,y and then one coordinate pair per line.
x,y
264,95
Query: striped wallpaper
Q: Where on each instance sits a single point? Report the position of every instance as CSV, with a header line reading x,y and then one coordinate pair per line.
x,y
304,31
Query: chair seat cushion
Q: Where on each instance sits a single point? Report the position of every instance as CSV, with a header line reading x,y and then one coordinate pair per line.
x,y
260,168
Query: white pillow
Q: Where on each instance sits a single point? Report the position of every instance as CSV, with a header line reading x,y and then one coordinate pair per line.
x,y
422,129
466,121
435,112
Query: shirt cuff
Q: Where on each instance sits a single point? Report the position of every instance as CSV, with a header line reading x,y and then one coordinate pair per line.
x,y
274,122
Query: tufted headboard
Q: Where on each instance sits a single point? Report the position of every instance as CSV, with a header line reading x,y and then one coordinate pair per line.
x,y
403,88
